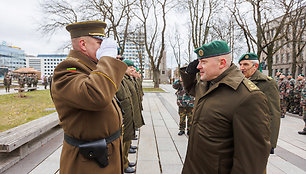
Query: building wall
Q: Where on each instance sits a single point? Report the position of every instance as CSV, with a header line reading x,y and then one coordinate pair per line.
x,y
49,62
34,62
12,57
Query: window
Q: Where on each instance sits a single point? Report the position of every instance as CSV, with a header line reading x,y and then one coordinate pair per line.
x,y
276,59
163,72
282,58
288,57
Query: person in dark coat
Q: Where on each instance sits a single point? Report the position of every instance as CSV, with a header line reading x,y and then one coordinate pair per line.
x,y
230,132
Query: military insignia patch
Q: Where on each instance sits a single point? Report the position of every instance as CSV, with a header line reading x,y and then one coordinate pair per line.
x,y
246,56
71,69
201,52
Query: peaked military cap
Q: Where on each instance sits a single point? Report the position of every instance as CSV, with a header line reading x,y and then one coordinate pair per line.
x,y
94,29
212,49
248,56
128,62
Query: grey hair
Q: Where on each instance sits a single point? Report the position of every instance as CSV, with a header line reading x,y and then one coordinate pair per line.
x,y
255,62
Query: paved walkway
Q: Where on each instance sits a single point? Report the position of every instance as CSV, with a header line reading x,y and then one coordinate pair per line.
x,y
161,150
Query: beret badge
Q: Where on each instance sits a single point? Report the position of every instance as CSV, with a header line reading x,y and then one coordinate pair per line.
x,y
201,52
246,56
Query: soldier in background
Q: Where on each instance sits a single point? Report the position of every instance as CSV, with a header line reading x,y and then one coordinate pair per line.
x,y
277,76
298,87
45,82
185,103
125,97
35,80
290,98
303,104
283,87
29,80
7,81
21,81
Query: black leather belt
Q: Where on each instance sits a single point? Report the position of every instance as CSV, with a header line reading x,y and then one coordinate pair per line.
x,y
77,142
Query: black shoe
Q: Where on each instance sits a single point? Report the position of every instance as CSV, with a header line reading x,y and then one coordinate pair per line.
x,y
131,164
129,170
181,133
133,147
132,150
272,151
282,116
135,138
303,132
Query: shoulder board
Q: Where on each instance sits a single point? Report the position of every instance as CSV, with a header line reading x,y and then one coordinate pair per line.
x,y
250,85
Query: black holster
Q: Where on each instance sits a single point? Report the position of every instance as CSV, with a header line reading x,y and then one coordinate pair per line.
x,y
96,150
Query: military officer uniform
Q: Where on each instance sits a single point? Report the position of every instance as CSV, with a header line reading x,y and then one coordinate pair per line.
x,y
83,91
230,131
269,87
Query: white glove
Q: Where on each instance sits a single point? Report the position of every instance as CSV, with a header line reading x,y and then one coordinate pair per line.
x,y
108,47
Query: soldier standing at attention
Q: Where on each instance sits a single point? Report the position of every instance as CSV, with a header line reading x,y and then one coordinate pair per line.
x,y
35,80
185,103
83,91
45,82
290,99
231,127
298,87
303,104
249,64
277,76
21,81
125,97
283,88
7,81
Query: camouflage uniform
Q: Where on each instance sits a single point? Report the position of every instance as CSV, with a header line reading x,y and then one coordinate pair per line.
x,y
35,80
185,103
45,82
21,81
303,104
283,87
298,87
290,98
29,80
7,81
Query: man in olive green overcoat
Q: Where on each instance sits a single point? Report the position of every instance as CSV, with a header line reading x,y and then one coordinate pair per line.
x,y
83,90
249,64
231,130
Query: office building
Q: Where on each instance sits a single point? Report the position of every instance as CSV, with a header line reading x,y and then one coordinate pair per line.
x,y
11,57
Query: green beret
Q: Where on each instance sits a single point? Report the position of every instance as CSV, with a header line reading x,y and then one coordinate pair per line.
x,y
128,62
213,49
95,29
283,74
248,56
301,75
137,69
289,74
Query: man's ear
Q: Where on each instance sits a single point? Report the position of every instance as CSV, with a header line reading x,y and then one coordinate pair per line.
x,y
256,65
222,63
82,44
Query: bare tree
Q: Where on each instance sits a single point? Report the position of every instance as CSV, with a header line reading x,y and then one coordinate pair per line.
x,y
154,32
296,26
176,45
59,13
263,21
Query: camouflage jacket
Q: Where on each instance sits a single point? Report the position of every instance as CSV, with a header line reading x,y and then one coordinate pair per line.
x,y
291,87
183,98
298,87
283,87
303,96
7,81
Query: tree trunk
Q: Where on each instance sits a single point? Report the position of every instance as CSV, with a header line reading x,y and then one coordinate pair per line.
x,y
156,75
294,53
270,58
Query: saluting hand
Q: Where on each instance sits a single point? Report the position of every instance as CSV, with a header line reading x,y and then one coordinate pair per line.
x,y
108,47
192,67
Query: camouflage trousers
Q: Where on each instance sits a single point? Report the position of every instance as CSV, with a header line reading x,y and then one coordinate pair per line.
x,y
7,88
283,106
185,112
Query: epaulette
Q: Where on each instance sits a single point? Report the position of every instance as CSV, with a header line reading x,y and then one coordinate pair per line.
x,y
270,78
250,85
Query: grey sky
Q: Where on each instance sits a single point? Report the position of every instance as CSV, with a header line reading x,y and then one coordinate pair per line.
x,y
18,28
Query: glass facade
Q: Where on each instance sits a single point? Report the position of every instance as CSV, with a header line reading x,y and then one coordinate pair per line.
x,y
12,57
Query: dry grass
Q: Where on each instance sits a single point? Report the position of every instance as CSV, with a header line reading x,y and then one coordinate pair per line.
x,y
152,90
15,111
